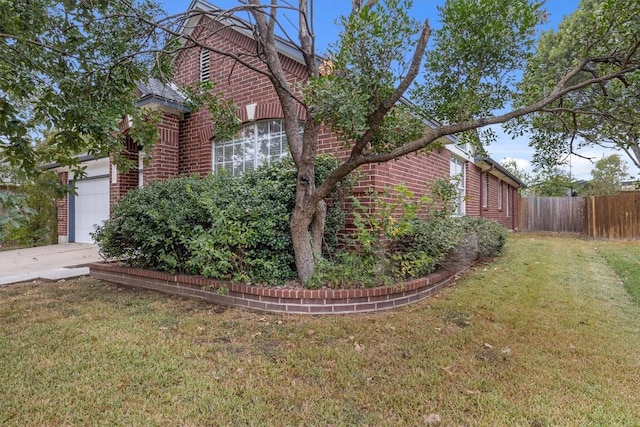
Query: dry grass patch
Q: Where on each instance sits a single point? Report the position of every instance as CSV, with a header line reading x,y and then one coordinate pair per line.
x,y
546,335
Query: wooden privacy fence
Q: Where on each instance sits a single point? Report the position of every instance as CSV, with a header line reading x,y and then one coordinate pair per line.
x,y
601,217
613,217
560,214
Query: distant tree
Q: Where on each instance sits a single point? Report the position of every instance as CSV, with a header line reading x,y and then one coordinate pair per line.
x,y
521,174
607,176
551,182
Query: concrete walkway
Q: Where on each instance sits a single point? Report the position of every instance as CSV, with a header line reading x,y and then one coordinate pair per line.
x,y
53,262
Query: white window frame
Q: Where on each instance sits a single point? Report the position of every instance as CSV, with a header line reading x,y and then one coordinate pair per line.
x,y
141,157
485,190
499,194
458,168
256,144
506,201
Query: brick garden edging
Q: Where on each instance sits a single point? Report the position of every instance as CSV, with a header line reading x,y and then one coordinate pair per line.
x,y
277,300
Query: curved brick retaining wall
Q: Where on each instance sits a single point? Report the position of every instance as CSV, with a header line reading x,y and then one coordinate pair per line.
x,y
277,300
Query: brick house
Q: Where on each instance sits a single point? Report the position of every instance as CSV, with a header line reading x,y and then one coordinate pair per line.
x,y
186,144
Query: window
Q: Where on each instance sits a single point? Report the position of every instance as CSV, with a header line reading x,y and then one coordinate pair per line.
x,y
204,65
255,144
485,190
506,201
499,194
458,179
140,169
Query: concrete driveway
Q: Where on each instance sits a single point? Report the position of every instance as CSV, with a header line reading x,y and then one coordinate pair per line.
x,y
52,262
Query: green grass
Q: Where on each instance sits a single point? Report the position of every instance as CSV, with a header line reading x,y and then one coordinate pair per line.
x,y
547,335
624,258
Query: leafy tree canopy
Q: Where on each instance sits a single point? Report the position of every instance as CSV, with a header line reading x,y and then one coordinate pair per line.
x,y
600,37
551,182
68,71
607,176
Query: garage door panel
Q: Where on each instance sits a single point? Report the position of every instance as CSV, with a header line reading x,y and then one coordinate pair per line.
x,y
91,207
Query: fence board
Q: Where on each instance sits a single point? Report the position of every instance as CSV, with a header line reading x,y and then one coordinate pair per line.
x,y
559,214
613,217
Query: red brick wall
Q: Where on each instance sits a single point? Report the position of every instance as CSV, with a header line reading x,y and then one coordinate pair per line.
x,y
419,171
473,182
164,159
62,206
244,86
125,180
500,214
234,82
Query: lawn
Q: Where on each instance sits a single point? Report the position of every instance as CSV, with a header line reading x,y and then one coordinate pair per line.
x,y
545,336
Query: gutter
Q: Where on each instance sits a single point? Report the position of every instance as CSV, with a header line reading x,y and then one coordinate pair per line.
x,y
487,164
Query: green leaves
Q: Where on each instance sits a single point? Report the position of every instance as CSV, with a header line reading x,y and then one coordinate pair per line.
x,y
67,74
599,39
218,226
362,71
471,68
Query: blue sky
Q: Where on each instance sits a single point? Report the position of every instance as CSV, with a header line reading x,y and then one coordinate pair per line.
x,y
326,12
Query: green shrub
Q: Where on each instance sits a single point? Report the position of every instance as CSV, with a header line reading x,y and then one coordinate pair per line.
x,y
491,235
217,226
399,237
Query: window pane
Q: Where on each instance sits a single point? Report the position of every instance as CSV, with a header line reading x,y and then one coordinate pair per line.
x,y
256,144
219,153
228,153
276,126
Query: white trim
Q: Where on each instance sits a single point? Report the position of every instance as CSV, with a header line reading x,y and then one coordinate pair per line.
x,y
459,167
485,190
141,157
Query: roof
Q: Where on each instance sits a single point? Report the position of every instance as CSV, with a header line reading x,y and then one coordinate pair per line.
x,y
240,25
501,171
154,91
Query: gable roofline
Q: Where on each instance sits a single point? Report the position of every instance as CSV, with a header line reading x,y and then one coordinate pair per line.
x,y
284,47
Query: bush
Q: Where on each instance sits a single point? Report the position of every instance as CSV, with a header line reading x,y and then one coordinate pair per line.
x,y
491,235
399,237
217,226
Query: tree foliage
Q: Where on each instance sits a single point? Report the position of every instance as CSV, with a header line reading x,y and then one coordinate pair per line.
x,y
607,176
69,70
605,114
551,182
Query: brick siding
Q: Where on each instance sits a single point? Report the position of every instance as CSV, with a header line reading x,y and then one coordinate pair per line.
x,y
124,181
500,214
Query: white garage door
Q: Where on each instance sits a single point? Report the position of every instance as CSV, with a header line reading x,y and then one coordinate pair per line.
x,y
91,207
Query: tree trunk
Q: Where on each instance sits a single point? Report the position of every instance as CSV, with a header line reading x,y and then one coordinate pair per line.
x,y
317,228
307,223
302,245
